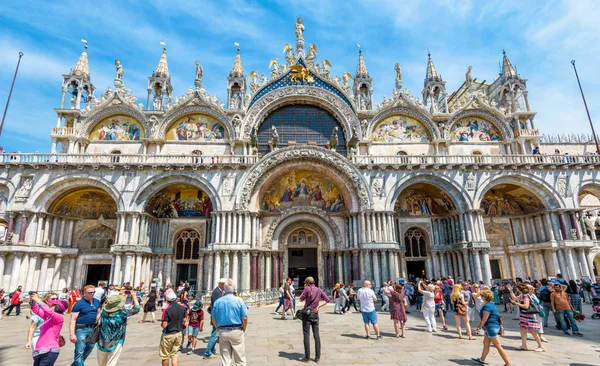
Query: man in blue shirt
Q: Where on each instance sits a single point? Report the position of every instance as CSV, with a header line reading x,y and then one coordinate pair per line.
x,y
84,315
230,317
211,347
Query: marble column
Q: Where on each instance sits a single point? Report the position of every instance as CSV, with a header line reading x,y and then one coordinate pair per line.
x,y
217,269
245,271
363,229
392,265
209,268
429,267
384,266
16,267
71,272
368,226
137,278
254,273
200,273
56,272
226,273
435,265
356,274
128,265
590,262
542,264
467,265
116,270
376,269
368,269
235,268
487,268
403,273
445,271
268,269
33,258
583,265
563,225
259,271
362,268
275,282
43,273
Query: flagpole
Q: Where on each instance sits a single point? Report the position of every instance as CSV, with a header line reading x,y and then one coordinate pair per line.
x,y
10,93
586,108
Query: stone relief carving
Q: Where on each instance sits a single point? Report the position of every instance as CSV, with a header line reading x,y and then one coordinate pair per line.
x,y
228,185
25,185
563,186
470,181
292,153
344,112
268,239
285,233
377,186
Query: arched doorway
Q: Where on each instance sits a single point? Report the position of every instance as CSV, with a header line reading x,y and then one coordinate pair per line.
x,y
302,245
187,247
416,245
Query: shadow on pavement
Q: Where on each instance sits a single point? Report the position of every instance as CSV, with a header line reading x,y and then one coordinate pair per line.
x,y
291,355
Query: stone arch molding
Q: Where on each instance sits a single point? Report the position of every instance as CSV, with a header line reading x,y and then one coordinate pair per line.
x,y
305,211
151,187
295,94
174,114
409,112
115,109
43,196
536,186
305,225
333,159
500,124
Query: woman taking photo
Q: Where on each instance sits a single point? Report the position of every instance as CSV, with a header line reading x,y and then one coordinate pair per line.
x,y
428,306
49,342
440,305
398,305
479,302
527,322
460,311
490,323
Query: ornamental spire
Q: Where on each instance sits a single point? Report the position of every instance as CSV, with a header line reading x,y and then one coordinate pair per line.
x,y
237,69
432,73
361,67
508,71
162,69
81,67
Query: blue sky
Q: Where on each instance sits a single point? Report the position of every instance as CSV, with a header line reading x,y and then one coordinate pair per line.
x,y
540,37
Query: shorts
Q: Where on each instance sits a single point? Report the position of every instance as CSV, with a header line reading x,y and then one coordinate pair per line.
x,y
370,317
491,331
169,346
192,331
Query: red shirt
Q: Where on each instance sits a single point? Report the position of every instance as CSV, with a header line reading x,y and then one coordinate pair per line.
x,y
196,317
14,300
437,297
75,295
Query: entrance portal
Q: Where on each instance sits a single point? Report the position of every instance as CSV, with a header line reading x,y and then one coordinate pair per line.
x,y
97,273
415,269
302,264
187,272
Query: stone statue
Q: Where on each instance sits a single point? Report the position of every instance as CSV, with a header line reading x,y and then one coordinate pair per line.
x,y
199,74
333,142
120,71
299,29
468,78
589,224
324,68
346,85
312,54
398,75
288,51
471,181
254,144
274,138
274,64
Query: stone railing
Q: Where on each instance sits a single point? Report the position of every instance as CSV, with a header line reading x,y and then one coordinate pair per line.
x,y
127,159
533,132
447,161
243,161
63,131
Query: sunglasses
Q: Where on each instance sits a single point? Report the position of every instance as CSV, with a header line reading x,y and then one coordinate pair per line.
x,y
93,292
53,298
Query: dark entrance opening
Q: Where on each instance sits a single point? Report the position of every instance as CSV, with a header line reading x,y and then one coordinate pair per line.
x,y
97,273
415,269
495,266
187,272
302,264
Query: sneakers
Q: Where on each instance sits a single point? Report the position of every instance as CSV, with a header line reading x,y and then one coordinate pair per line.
x,y
367,337
578,334
380,337
190,351
208,357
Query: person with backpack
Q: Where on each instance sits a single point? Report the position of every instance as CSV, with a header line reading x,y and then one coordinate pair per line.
x,y
15,301
544,297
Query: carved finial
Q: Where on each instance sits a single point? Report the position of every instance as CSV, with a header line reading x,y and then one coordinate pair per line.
x,y
237,69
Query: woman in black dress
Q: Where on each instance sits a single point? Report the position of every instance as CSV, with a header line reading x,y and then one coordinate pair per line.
x,y
150,306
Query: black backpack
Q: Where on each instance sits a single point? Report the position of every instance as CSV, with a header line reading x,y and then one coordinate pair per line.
x,y
545,295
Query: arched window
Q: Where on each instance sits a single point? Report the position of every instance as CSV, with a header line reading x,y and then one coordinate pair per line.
x,y
187,245
302,124
415,242
115,158
401,153
197,156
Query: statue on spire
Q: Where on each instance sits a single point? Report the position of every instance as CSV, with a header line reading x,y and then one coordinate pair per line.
x,y
199,73
299,27
398,76
119,85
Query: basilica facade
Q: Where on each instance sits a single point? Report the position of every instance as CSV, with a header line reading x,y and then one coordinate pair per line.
x,y
297,173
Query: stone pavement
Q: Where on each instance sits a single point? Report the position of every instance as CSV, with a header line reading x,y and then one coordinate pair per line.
x,y
271,341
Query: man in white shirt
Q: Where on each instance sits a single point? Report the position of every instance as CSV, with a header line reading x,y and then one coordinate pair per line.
x,y
99,293
367,307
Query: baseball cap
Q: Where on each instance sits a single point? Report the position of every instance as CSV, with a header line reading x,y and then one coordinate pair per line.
x,y
222,280
171,296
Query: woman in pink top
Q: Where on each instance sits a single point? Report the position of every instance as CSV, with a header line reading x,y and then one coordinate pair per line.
x,y
48,347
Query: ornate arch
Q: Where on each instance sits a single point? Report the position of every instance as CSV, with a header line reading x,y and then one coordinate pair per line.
x,y
332,159
304,225
120,108
43,196
302,94
308,212
592,185
150,187
493,118
538,187
457,193
176,113
426,237
409,112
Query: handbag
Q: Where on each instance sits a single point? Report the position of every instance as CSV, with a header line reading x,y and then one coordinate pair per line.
x,y
461,308
307,311
501,322
94,335
532,309
405,304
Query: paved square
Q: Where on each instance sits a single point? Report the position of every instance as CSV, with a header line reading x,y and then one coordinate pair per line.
x,y
271,341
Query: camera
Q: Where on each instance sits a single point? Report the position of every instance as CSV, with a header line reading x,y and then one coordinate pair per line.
x,y
32,293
